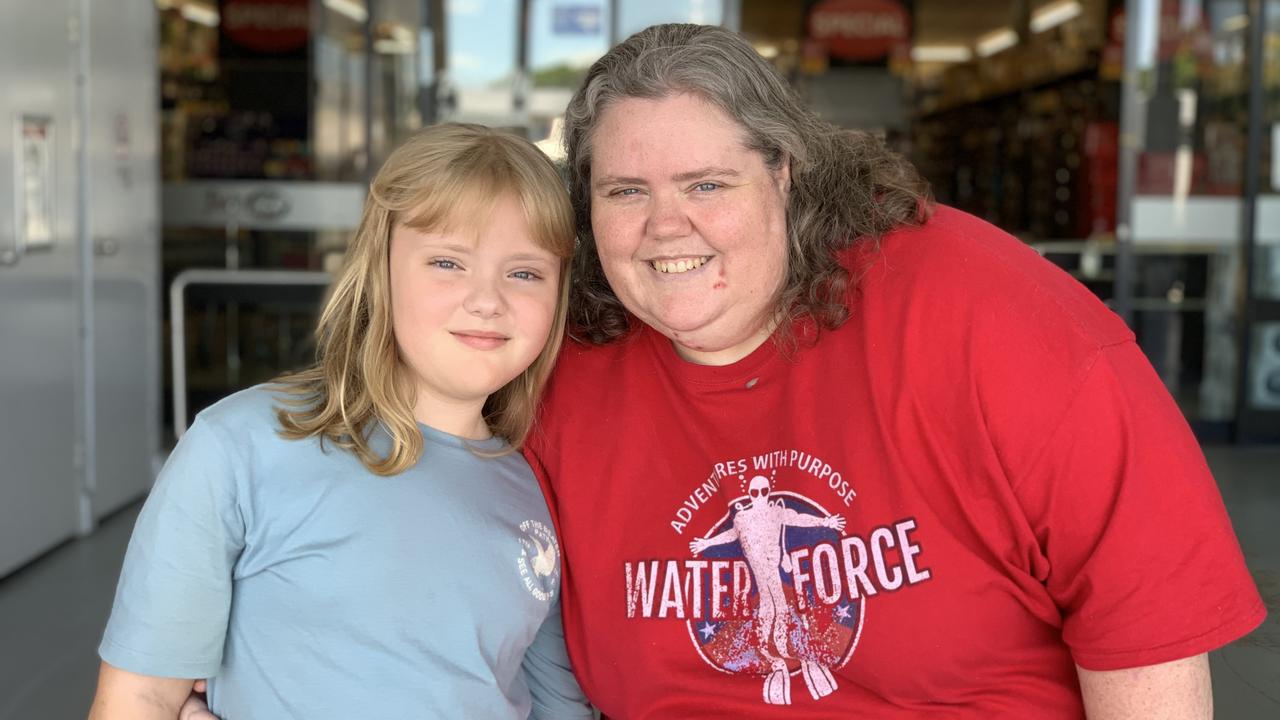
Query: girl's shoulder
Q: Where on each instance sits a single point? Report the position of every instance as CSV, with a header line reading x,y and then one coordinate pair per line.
x,y
243,432
247,410
247,423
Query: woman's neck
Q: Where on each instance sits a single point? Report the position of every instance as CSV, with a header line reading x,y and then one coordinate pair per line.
x,y
730,353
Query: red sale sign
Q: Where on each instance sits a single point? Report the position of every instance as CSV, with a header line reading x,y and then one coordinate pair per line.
x,y
860,29
267,26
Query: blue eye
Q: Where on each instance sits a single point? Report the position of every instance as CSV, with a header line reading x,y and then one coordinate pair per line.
x,y
626,192
526,275
706,186
443,264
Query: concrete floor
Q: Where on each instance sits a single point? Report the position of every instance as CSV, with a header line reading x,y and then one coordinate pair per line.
x,y
52,612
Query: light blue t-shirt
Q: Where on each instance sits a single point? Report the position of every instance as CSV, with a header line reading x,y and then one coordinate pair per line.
x,y
305,586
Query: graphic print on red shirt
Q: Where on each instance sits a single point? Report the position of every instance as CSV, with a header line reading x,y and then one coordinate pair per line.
x,y
775,588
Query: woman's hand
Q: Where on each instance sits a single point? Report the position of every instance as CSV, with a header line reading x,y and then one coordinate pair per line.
x,y
195,708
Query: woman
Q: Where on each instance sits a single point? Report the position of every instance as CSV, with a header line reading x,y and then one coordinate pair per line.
x,y
822,449
822,444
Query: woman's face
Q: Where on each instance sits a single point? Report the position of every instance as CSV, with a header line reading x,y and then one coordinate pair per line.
x,y
689,223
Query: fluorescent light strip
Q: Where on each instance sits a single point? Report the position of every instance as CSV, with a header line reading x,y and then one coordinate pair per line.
x,y
996,41
767,51
354,10
202,14
1235,23
390,46
1054,14
401,34
941,53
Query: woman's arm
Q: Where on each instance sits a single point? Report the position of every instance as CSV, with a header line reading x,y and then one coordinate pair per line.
x,y
129,696
1178,690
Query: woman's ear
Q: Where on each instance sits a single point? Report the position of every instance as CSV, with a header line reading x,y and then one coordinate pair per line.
x,y
782,176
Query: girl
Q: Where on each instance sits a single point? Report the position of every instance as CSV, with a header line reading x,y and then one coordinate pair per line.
x,y
359,539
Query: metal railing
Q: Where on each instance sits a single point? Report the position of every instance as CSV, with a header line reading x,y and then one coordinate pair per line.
x,y
233,285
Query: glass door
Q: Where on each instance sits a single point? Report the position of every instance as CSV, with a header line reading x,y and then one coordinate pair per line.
x,y
1185,243
1259,396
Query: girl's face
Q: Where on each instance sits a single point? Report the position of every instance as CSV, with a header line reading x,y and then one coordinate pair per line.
x,y
471,310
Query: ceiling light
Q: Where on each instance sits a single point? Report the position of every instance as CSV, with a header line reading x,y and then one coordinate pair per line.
x,y
768,51
391,46
350,8
400,33
1054,14
996,41
941,53
202,14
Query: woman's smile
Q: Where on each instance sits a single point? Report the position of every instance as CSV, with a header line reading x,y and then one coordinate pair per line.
x,y
682,266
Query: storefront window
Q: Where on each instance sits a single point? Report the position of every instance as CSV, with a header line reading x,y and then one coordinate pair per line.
x,y
635,15
1259,417
479,84
564,39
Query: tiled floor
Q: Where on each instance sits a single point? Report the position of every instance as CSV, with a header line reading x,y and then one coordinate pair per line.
x,y
52,612
51,617
1246,674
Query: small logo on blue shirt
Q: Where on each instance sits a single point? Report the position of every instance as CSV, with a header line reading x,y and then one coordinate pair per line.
x,y
539,560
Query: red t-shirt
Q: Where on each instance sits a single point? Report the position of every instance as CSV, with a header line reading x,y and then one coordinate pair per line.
x,y
1016,494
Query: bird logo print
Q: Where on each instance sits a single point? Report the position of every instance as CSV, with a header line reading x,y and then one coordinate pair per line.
x,y
539,559
544,561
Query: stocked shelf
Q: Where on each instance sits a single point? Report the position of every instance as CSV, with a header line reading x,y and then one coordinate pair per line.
x,y
1039,162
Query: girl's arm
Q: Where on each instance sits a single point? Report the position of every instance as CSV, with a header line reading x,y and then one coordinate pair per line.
x,y
129,696
555,690
170,615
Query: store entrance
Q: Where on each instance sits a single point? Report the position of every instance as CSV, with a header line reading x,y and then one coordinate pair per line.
x,y
1128,141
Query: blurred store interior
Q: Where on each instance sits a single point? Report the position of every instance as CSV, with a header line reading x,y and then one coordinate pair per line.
x,y
186,174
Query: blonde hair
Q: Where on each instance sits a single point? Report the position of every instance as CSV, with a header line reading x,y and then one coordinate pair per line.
x,y
440,179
